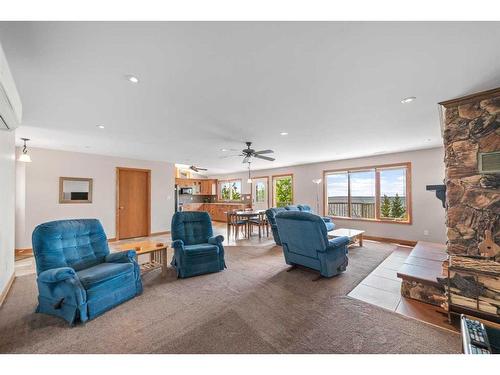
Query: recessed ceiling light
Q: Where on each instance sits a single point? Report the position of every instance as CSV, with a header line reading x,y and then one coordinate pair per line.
x,y
133,79
408,99
100,126
283,133
223,149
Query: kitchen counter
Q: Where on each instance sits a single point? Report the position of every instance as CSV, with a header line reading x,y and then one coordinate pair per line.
x,y
229,203
216,210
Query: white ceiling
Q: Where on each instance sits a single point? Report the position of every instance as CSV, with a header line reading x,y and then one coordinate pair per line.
x,y
334,87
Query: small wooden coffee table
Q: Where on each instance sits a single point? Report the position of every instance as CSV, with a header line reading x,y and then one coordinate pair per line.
x,y
157,251
353,234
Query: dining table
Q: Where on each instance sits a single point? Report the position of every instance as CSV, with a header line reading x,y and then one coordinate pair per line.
x,y
247,215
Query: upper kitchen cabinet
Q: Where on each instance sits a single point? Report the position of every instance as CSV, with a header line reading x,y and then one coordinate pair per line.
x,y
199,186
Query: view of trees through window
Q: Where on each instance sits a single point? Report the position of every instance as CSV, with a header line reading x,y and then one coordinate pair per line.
x,y
230,190
353,193
260,192
283,191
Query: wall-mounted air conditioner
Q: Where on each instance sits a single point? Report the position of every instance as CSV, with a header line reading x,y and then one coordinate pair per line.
x,y
11,108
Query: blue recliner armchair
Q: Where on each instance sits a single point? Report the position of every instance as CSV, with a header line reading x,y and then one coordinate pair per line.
x,y
306,208
272,212
196,250
271,218
78,278
305,242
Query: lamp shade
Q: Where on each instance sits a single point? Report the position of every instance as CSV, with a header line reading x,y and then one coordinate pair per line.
x,y
25,158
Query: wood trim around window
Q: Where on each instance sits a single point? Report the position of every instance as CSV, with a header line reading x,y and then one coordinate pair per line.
x,y
377,168
272,186
269,204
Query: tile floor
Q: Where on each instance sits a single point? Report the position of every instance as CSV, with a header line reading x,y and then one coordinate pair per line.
x,y
383,288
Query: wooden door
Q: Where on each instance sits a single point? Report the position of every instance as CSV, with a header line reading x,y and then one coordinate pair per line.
x,y
133,211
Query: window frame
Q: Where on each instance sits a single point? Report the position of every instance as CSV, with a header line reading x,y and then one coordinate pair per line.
x,y
377,169
219,189
279,177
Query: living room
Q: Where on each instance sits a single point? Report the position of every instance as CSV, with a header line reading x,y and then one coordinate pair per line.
x,y
250,187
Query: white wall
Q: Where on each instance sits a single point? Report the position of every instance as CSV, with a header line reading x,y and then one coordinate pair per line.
x,y
427,169
7,206
39,183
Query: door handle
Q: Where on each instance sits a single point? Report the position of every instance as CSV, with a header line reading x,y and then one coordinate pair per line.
x,y
121,208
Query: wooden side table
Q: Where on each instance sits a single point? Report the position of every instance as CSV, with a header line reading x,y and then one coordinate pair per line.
x,y
158,255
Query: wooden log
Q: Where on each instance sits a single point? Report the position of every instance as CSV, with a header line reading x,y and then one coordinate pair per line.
x,y
472,304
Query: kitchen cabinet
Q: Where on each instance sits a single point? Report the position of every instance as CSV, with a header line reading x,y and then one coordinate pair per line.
x,y
199,186
217,211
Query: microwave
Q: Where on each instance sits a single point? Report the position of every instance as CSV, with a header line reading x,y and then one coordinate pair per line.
x,y
186,191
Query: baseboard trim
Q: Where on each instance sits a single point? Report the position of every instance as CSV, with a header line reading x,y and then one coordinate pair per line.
x,y
5,292
390,240
160,233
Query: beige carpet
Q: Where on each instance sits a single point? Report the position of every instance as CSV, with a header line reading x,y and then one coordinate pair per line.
x,y
254,306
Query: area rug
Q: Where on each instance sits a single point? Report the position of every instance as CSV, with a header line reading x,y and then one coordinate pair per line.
x,y
255,306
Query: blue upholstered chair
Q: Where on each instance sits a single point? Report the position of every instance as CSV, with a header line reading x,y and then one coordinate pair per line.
x,y
306,208
196,250
305,242
78,279
271,218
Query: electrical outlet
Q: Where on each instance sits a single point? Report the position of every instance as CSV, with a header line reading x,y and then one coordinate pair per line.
x,y
426,232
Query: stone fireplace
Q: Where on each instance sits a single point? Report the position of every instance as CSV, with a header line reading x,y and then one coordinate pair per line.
x,y
471,128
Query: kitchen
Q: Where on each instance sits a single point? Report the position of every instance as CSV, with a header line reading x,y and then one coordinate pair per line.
x,y
194,193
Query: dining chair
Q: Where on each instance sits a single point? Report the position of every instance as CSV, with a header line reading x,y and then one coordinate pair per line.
x,y
234,223
260,221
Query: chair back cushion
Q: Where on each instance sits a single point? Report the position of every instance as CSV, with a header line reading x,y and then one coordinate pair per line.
x,y
78,244
304,207
191,227
302,232
292,207
271,214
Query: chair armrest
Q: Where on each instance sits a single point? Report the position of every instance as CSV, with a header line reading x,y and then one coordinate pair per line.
x,y
56,275
178,244
327,219
217,240
127,256
338,242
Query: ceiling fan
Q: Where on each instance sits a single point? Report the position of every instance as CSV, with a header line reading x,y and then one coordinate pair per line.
x,y
197,169
249,153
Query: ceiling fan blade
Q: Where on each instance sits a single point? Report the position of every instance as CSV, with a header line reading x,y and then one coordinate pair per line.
x,y
229,156
246,159
264,152
263,157
202,169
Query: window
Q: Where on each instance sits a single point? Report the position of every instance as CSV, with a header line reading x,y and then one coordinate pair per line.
x,y
380,193
230,190
282,190
260,192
